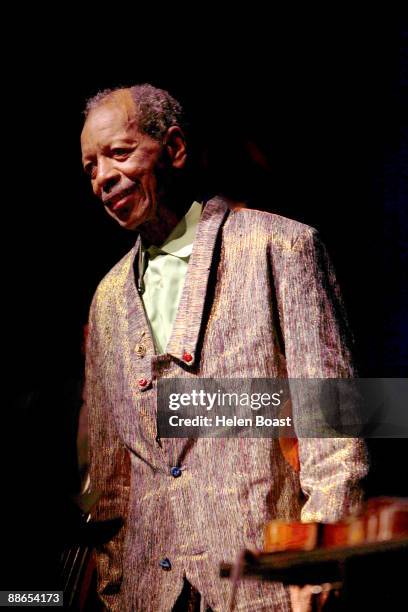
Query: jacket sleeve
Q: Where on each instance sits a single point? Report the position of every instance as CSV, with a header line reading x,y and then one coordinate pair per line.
x,y
109,467
318,346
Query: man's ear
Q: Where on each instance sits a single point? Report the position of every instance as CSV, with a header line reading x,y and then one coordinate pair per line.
x,y
175,145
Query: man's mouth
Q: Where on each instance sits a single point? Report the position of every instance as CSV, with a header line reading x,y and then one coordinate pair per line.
x,y
120,200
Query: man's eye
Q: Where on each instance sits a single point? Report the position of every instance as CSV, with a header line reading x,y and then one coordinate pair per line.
x,y
120,152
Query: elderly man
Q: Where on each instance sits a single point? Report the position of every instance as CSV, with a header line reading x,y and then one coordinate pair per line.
x,y
212,292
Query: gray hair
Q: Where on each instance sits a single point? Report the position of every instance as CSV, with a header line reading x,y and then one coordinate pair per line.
x,y
157,109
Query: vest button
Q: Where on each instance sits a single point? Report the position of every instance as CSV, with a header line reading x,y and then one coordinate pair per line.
x,y
175,472
187,357
142,382
140,350
165,564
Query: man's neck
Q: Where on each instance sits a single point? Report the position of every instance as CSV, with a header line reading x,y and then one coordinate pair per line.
x,y
168,215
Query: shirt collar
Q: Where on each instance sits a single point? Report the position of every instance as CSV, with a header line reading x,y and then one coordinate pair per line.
x,y
180,241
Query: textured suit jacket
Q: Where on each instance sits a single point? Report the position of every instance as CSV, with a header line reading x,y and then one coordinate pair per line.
x,y
259,300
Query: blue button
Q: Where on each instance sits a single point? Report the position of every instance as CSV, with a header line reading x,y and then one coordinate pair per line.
x,y
175,471
165,564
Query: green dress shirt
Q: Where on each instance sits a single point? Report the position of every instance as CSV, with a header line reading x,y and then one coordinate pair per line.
x,y
164,276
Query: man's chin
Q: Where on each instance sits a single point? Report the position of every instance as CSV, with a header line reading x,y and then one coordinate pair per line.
x,y
132,216
129,223
124,219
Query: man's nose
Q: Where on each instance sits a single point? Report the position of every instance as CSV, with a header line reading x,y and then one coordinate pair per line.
x,y
106,177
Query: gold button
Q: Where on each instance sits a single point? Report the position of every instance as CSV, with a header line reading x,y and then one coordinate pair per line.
x,y
140,350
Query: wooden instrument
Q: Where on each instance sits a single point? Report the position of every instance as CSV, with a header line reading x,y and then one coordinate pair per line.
x,y
382,519
364,555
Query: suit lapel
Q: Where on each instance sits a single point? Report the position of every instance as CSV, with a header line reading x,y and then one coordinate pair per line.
x,y
186,328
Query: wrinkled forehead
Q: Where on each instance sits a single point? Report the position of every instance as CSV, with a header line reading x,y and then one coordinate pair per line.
x,y
114,117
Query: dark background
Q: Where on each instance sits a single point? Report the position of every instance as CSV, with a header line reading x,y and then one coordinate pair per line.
x,y
326,108
323,106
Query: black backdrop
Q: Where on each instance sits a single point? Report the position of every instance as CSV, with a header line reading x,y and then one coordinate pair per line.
x,y
326,107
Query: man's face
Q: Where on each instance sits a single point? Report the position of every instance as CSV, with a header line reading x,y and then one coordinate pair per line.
x,y
121,162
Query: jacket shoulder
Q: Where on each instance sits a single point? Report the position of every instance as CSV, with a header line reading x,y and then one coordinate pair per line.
x,y
276,230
